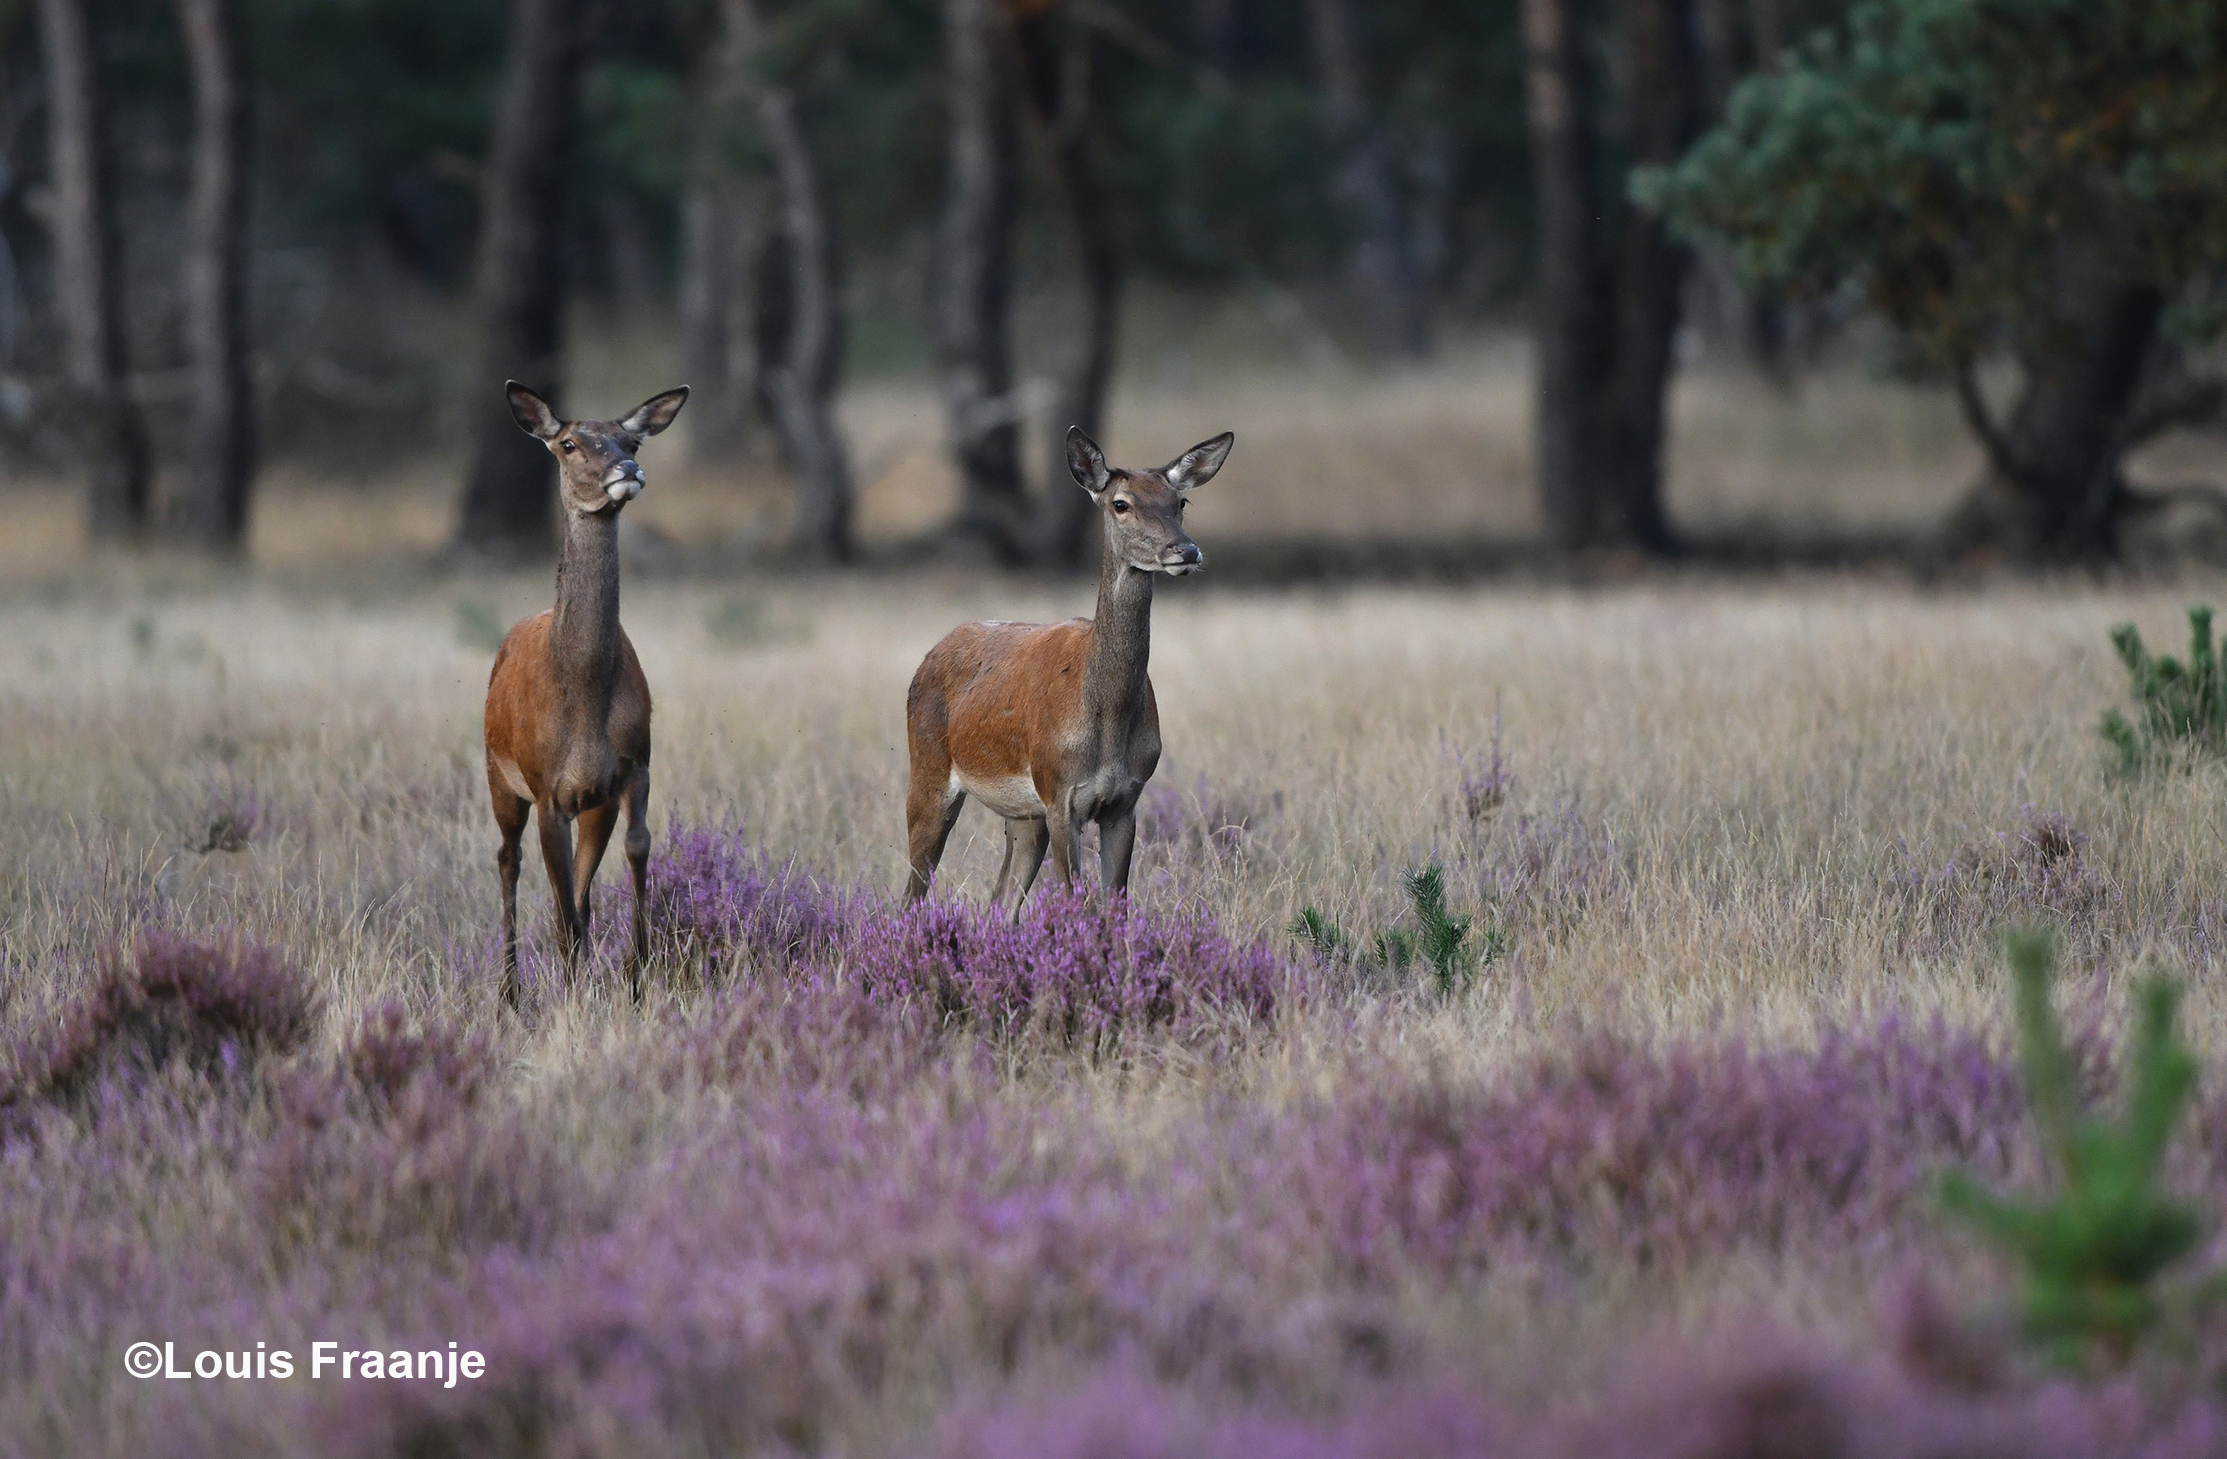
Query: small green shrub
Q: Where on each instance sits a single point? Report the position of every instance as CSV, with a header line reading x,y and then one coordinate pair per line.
x,y
1438,938
2092,1251
2180,707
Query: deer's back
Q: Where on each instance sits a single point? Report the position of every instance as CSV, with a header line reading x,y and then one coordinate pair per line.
x,y
523,724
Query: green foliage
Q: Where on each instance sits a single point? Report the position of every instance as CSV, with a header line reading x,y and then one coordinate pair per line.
x,y
2179,707
1939,154
2092,1251
1439,939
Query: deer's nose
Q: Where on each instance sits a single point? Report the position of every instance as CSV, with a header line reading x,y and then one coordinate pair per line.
x,y
1183,554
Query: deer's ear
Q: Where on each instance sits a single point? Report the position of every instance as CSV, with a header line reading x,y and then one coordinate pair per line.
x,y
532,413
1196,467
1086,463
655,413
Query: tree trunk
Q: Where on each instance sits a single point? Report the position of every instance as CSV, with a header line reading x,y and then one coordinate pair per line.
x,y
1571,366
221,467
2059,457
88,277
725,218
519,285
975,268
1384,263
1662,114
1056,83
800,383
723,249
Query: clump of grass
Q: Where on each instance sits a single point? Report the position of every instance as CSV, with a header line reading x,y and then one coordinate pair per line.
x,y
2181,708
1437,938
2092,1251
477,626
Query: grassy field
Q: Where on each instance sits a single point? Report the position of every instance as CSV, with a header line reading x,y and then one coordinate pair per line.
x,y
1656,1176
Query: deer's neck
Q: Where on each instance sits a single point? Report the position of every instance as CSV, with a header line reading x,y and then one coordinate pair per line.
x,y
1120,645
584,635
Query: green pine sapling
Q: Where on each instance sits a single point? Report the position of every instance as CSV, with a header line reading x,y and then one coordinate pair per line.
x,y
2179,705
2093,1250
1440,939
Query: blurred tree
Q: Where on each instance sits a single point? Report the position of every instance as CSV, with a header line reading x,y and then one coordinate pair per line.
x,y
519,284
726,220
221,465
1393,283
974,268
1607,280
801,371
1055,54
88,277
2035,176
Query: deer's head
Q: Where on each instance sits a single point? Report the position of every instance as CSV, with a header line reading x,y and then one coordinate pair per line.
x,y
1144,509
596,469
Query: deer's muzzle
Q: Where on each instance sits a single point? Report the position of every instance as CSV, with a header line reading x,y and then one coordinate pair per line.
x,y
623,482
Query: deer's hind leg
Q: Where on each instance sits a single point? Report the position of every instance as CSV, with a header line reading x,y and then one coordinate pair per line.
x,y
596,827
511,810
638,865
932,806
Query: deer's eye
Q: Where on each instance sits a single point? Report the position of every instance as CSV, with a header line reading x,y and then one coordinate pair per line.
x,y
571,445
1120,506
1181,506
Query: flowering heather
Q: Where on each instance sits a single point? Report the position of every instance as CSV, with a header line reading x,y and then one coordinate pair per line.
x,y
210,1010
2035,871
1077,966
1201,820
712,896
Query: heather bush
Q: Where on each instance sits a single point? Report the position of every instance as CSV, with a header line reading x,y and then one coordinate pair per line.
x,y
2036,870
404,1141
2093,1251
208,1011
1079,968
2180,709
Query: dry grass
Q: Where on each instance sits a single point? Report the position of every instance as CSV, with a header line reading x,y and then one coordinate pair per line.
x,y
1765,805
1767,766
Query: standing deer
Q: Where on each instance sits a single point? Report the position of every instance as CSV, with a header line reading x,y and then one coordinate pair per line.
x,y
1052,725
568,711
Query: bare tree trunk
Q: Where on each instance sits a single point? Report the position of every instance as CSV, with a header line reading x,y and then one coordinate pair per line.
x,y
1384,262
800,385
221,467
88,277
1572,367
1057,85
724,222
975,268
2060,456
723,248
519,285
1662,111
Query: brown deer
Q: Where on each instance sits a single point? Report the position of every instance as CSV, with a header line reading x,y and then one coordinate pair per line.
x,y
1052,725
568,711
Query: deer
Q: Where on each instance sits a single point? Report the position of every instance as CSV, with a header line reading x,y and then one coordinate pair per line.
x,y
1055,725
568,708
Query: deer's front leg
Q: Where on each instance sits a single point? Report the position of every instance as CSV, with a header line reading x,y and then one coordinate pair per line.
x,y
1117,839
556,856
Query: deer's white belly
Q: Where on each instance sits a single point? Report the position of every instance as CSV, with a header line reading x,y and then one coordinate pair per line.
x,y
1010,796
